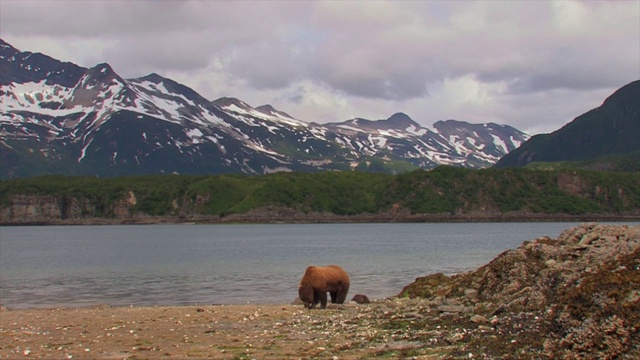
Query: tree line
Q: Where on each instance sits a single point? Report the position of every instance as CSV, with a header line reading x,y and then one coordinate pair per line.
x,y
444,190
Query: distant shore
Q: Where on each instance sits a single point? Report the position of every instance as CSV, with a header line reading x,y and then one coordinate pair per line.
x,y
305,218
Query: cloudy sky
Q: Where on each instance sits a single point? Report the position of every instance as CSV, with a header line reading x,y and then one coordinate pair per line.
x,y
532,64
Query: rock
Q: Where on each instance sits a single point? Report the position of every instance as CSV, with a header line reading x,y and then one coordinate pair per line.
x,y
438,300
588,239
633,297
499,310
479,319
413,316
551,263
580,289
451,308
361,299
401,345
471,293
454,338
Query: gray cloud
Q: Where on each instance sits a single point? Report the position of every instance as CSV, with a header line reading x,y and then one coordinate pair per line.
x,y
474,60
295,96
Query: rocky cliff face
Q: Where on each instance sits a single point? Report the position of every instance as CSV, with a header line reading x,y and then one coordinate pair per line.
x,y
49,209
577,296
31,208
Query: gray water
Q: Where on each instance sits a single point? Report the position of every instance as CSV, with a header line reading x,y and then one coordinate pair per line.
x,y
51,266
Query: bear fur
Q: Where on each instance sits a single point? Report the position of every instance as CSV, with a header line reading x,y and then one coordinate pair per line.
x,y
318,280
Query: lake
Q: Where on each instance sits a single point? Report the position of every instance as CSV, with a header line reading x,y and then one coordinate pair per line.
x,y
147,265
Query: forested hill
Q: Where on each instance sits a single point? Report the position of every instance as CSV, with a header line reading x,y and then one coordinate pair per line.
x,y
611,130
446,193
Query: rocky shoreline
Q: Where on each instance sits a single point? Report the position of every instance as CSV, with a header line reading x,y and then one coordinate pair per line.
x,y
574,297
581,291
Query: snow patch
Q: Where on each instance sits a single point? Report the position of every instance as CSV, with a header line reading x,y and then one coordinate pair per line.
x,y
195,135
473,142
416,130
275,117
500,145
351,128
83,152
516,143
378,141
153,87
32,95
458,144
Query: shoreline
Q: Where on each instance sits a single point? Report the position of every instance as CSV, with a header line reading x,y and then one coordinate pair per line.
x,y
392,328
328,219
275,331
575,296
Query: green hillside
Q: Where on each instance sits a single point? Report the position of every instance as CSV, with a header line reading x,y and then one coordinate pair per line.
x,y
618,163
612,129
445,190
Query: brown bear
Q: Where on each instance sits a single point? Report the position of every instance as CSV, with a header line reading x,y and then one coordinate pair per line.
x,y
318,280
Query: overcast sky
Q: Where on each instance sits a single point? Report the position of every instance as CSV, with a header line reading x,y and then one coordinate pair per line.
x,y
535,65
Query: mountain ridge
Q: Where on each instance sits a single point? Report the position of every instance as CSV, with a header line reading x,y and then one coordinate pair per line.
x,y
611,129
61,118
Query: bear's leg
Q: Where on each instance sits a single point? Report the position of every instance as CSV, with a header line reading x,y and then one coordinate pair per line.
x,y
323,300
342,295
334,296
316,299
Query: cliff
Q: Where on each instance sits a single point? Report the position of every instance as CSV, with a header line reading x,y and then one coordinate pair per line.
x,y
52,210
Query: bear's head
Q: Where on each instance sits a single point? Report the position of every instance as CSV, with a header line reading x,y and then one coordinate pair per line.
x,y
306,295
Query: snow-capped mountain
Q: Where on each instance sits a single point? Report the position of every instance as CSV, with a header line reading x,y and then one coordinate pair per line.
x,y
60,118
448,142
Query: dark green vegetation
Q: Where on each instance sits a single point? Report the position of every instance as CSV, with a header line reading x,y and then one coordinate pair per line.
x,y
445,190
611,130
620,163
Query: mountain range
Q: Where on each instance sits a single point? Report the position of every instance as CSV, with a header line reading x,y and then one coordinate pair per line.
x,y
60,118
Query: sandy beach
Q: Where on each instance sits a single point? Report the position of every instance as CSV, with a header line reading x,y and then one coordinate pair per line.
x,y
349,331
